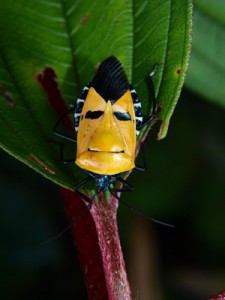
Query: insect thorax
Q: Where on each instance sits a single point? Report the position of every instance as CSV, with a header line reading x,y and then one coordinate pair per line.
x,y
103,182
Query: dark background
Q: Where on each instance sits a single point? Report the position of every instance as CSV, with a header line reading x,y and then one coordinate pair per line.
x,y
184,185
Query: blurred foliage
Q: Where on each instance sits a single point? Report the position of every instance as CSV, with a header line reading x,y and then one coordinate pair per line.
x,y
206,72
31,212
184,185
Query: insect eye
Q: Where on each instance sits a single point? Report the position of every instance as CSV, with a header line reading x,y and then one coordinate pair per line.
x,y
122,116
93,114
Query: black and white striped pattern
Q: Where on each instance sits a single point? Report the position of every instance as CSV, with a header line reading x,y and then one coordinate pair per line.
x,y
137,110
79,106
136,103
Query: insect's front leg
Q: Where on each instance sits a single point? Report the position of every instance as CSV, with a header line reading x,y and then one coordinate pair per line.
x,y
83,196
59,134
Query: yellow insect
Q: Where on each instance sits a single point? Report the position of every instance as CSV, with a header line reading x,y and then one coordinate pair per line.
x,y
106,138
108,118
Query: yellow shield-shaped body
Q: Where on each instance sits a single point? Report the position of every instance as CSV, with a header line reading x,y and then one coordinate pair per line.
x,y
106,137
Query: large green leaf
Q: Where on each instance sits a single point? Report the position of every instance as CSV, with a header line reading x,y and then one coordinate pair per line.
x,y
206,74
69,39
162,35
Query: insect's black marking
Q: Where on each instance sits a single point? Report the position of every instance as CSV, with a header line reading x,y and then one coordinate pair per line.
x,y
134,95
122,116
93,114
137,109
84,92
138,125
79,106
76,122
110,81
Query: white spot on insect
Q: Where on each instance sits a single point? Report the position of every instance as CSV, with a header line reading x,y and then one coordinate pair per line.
x,y
80,100
133,91
139,118
137,104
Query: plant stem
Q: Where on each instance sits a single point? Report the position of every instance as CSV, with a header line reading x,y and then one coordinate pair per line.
x,y
221,296
98,247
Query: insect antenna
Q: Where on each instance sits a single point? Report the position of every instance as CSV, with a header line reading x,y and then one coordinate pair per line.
x,y
74,220
141,213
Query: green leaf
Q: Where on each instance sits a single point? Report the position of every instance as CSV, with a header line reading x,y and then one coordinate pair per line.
x,y
62,42
206,73
162,35
69,37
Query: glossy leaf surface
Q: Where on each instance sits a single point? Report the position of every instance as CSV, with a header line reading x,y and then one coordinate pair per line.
x,y
50,49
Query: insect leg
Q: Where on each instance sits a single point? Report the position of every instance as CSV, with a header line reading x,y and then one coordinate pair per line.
x,y
152,96
57,133
129,188
77,218
81,183
152,88
85,197
64,161
141,213
143,150
61,148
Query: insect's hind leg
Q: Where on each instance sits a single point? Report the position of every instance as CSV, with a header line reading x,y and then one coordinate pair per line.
x,y
155,108
133,209
144,154
152,88
128,187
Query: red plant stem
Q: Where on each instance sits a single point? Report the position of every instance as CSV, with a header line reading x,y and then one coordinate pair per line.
x,y
221,296
98,246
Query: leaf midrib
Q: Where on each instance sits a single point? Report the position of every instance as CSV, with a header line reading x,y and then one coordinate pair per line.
x,y
69,36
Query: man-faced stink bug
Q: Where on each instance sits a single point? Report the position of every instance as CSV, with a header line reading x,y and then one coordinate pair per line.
x,y
108,118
